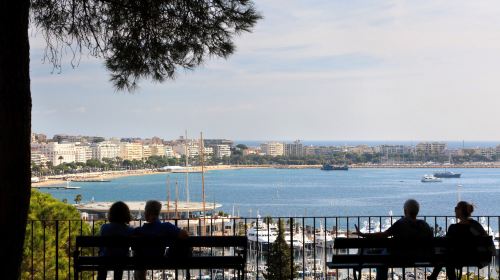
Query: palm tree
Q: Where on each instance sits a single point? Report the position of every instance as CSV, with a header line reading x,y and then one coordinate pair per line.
x,y
78,198
60,158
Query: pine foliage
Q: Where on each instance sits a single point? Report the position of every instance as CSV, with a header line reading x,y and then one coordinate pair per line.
x,y
280,260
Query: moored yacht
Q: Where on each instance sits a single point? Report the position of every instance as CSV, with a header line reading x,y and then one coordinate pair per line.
x,y
430,179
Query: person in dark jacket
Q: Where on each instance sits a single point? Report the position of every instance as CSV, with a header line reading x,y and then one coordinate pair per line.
x,y
406,228
154,227
465,228
119,218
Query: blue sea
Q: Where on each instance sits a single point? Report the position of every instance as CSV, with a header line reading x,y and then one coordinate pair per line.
x,y
309,192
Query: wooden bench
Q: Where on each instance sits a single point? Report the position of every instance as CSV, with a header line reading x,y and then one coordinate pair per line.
x,y
437,251
85,244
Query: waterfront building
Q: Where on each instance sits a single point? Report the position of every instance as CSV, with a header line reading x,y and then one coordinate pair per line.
x,y
169,151
106,149
295,149
221,150
131,151
498,152
146,152
272,148
38,158
82,152
431,148
157,149
56,153
488,152
322,150
100,209
397,150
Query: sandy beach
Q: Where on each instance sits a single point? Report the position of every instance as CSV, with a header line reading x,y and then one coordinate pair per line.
x,y
109,175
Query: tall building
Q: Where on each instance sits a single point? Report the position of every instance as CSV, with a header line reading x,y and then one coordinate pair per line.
x,y
221,150
82,153
55,152
430,148
169,151
295,149
157,150
106,149
146,152
272,148
131,151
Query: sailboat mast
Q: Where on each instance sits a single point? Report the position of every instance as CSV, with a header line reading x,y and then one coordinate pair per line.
x,y
187,172
202,151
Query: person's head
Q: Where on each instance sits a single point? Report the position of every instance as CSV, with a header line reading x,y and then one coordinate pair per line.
x,y
411,208
119,213
152,210
463,210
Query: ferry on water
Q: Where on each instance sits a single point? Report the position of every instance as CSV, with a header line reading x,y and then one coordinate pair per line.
x,y
328,167
447,174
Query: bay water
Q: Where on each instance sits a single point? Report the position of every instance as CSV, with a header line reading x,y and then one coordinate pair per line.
x,y
308,192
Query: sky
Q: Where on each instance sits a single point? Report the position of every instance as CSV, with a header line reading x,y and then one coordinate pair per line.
x,y
310,70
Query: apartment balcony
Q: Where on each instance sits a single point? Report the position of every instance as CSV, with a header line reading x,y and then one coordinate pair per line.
x,y
49,245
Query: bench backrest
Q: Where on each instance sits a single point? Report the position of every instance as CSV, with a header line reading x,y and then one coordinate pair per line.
x,y
475,251
141,241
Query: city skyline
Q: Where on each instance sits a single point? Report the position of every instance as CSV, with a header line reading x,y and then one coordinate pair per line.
x,y
386,71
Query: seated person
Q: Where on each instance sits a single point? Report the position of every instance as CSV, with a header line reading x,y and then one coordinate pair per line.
x,y
465,228
406,228
154,227
119,219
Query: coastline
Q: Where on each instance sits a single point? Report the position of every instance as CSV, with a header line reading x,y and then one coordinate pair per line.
x,y
108,175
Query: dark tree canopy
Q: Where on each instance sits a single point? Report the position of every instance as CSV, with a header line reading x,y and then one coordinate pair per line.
x,y
142,39
136,39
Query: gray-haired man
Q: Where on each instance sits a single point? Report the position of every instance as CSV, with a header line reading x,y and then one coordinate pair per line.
x,y
406,228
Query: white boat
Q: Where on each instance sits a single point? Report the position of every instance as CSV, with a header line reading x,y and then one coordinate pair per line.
x,y
303,238
323,238
261,234
373,227
430,179
296,242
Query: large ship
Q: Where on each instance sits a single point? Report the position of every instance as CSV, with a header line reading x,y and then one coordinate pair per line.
x,y
447,174
328,167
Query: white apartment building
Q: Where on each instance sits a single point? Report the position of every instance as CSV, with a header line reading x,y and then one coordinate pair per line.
x,y
106,149
55,152
272,148
193,148
221,150
169,152
38,158
82,153
131,151
434,148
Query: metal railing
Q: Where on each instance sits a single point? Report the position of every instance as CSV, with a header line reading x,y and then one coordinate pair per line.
x,y
49,245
